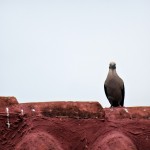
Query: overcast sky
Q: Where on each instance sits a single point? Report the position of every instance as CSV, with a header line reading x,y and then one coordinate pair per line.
x,y
53,50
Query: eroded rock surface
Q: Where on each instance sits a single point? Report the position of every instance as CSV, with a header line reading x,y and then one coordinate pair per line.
x,y
38,141
114,140
73,126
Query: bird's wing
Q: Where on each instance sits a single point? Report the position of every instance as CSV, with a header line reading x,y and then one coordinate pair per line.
x,y
123,94
105,88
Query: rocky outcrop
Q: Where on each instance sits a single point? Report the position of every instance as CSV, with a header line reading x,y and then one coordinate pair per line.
x,y
72,126
7,101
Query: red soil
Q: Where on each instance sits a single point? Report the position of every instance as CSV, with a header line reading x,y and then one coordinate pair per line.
x,y
73,126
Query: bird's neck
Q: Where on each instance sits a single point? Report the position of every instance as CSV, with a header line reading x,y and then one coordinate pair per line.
x,y
112,72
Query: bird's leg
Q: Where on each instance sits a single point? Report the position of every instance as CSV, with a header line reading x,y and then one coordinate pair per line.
x,y
119,105
111,106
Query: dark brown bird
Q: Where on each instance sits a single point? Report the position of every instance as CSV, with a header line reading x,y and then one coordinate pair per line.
x,y
114,87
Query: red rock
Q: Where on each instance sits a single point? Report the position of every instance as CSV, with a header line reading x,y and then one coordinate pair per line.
x,y
73,126
114,141
7,101
38,141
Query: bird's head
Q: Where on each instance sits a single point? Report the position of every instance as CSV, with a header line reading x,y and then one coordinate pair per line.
x,y
112,65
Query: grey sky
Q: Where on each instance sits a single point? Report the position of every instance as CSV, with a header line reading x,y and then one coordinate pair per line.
x,y
60,50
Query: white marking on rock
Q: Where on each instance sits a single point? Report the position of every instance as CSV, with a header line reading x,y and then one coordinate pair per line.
x,y
8,124
21,111
33,110
126,110
7,111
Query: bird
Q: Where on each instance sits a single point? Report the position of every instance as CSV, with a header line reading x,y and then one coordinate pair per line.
x,y
114,87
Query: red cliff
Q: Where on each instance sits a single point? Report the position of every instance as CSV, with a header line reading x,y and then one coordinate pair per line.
x,y
72,126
